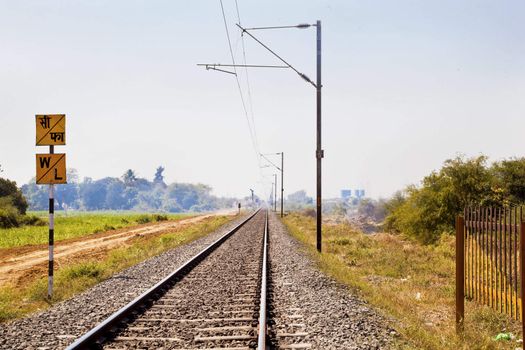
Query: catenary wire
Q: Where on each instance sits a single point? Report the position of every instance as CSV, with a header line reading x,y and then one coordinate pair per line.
x,y
252,136
251,126
250,101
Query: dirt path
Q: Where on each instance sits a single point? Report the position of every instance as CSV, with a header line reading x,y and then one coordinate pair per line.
x,y
15,263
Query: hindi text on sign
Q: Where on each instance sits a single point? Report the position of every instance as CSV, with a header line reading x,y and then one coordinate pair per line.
x,y
50,129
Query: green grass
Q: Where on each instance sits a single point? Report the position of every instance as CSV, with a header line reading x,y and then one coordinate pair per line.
x,y
75,277
390,272
77,224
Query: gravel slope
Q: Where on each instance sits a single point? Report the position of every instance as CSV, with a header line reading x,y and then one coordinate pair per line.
x,y
60,325
309,310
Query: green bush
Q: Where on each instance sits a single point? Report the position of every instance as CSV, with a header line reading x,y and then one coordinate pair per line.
x,y
13,207
9,190
427,211
32,220
143,219
160,217
9,217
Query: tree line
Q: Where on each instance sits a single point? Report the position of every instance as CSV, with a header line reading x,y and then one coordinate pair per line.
x,y
128,192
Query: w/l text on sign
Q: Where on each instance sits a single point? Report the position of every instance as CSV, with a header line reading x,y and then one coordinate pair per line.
x,y
51,168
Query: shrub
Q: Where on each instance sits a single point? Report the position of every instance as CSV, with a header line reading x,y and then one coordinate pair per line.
x,y
9,217
89,269
428,211
143,219
32,220
13,207
160,217
16,198
310,212
373,209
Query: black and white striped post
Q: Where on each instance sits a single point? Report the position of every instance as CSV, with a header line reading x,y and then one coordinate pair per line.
x,y
51,234
51,170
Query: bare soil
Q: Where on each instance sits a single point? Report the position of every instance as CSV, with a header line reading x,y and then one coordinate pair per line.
x,y
21,263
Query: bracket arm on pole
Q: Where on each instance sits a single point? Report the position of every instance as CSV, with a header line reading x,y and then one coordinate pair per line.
x,y
302,75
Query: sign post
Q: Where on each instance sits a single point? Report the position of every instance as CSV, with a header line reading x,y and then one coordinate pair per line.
x,y
51,234
51,170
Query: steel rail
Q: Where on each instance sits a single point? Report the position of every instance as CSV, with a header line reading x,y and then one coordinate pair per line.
x,y
261,343
94,338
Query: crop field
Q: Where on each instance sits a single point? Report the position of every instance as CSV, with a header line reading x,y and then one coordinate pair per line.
x,y
78,224
411,283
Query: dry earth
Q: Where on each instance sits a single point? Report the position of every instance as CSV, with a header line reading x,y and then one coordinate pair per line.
x,y
18,264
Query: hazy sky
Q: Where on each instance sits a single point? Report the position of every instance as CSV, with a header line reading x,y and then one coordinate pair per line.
x,y
406,85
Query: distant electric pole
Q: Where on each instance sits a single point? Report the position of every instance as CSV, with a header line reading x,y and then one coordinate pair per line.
x,y
275,194
282,182
271,196
252,195
281,169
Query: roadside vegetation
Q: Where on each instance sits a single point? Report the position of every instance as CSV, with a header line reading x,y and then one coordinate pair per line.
x,y
13,207
407,269
427,211
412,283
73,277
78,224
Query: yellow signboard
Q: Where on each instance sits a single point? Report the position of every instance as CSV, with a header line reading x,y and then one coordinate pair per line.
x,y
51,168
50,129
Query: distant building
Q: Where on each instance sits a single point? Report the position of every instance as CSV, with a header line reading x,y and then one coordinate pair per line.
x,y
360,194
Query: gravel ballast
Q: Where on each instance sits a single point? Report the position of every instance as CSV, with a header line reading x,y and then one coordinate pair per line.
x,y
214,306
307,309
310,310
60,325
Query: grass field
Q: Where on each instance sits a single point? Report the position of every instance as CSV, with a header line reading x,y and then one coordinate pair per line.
x,y
75,225
74,277
413,283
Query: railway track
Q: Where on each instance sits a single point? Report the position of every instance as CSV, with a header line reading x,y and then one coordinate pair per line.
x,y
217,300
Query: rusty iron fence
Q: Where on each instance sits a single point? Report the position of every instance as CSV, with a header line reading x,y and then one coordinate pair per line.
x,y
490,255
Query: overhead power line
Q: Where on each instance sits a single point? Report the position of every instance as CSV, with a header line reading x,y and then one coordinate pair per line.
x,y
250,102
249,116
269,161
211,65
250,126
